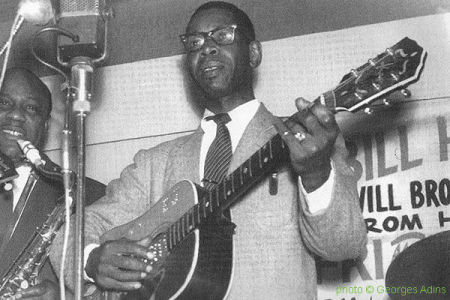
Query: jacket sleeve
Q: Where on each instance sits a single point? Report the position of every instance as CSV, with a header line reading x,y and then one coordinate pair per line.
x,y
126,198
337,232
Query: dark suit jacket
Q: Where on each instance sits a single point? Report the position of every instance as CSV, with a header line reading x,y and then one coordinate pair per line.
x,y
43,198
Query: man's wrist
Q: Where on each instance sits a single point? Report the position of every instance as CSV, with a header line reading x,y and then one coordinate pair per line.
x,y
314,180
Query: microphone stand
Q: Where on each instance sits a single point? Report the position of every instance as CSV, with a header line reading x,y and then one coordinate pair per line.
x,y
79,95
82,71
81,86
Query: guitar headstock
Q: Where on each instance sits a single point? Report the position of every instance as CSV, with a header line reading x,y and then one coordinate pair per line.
x,y
397,67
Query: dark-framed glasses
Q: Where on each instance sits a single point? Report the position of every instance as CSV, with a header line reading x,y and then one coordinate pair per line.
x,y
221,36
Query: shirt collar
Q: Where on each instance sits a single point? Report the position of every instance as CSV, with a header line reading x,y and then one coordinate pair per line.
x,y
240,115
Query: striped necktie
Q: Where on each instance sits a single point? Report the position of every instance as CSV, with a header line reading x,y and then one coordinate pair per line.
x,y
219,153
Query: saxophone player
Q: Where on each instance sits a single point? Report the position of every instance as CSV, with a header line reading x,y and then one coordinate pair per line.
x,y
26,201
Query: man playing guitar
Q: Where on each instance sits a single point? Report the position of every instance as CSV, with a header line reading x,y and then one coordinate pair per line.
x,y
306,208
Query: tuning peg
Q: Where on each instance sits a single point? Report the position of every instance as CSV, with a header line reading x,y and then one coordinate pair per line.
x,y
406,93
395,76
386,102
376,86
390,52
368,110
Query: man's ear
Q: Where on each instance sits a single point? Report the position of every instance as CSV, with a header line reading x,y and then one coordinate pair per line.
x,y
255,53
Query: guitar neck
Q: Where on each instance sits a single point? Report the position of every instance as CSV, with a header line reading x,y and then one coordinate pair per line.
x,y
229,190
267,159
396,67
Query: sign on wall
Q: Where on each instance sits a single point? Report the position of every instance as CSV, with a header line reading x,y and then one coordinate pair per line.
x,y
404,193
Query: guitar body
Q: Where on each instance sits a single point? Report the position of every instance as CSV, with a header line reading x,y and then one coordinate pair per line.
x,y
199,267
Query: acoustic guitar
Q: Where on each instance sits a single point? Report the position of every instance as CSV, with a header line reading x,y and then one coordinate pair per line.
x,y
191,243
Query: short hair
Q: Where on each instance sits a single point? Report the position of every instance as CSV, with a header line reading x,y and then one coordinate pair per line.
x,y
242,19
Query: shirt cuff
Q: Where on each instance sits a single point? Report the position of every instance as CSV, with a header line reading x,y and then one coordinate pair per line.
x,y
321,197
87,250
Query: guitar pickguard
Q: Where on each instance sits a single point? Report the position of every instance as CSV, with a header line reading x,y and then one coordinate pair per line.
x,y
176,202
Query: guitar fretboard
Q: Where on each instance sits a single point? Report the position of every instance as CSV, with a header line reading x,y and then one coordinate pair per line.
x,y
397,66
229,190
274,153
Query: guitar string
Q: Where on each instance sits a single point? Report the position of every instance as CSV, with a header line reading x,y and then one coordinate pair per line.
x,y
395,103
369,66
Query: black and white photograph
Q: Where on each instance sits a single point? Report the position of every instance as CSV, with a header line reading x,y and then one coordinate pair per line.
x,y
238,150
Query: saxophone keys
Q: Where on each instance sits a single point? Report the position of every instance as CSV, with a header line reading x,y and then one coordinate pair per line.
x,y
24,284
8,186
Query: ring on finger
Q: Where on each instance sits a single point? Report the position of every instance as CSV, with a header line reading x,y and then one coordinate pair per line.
x,y
300,136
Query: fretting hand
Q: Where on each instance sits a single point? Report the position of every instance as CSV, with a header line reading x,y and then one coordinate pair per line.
x,y
310,135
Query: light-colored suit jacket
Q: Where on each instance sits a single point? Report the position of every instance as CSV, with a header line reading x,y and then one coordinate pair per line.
x,y
276,237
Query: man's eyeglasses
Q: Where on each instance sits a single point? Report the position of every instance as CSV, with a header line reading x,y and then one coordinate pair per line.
x,y
221,36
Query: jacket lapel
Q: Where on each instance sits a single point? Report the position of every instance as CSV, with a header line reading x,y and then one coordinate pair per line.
x,y
184,160
257,133
40,202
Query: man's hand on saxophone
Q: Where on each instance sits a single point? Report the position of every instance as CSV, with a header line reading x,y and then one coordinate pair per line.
x,y
46,290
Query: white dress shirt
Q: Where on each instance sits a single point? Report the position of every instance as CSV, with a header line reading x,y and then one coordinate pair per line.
x,y
18,184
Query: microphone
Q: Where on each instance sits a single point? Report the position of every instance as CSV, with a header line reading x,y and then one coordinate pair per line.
x,y
88,19
31,153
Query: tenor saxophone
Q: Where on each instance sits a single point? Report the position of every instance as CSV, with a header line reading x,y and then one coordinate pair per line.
x,y
24,270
